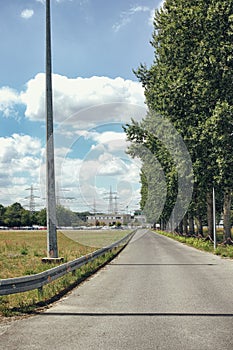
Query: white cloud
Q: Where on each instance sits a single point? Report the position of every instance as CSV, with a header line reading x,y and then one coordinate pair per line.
x,y
79,96
18,146
106,137
19,166
113,142
96,176
8,99
105,164
27,13
96,101
112,166
127,16
139,9
82,102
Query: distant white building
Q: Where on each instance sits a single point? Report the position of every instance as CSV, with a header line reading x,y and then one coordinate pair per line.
x,y
108,219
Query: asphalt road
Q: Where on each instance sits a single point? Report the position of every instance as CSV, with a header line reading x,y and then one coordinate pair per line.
x,y
157,294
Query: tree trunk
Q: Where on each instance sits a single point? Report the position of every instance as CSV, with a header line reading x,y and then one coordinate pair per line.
x,y
199,225
227,214
162,224
180,227
209,200
191,226
185,224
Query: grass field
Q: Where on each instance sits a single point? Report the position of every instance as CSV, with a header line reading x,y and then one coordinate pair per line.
x,y
21,253
96,238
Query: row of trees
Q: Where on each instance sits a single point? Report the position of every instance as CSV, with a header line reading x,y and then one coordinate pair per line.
x,y
189,84
17,216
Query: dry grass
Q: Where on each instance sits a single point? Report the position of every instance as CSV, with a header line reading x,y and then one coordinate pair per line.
x,y
96,238
21,253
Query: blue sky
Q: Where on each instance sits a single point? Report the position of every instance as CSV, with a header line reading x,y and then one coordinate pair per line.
x,y
95,46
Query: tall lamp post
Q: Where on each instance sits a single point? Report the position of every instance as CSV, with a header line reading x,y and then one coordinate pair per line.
x,y
52,250
214,219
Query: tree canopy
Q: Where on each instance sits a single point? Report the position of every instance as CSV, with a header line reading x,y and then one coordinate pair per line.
x,y
190,84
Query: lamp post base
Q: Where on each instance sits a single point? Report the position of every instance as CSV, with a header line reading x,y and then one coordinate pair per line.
x,y
52,260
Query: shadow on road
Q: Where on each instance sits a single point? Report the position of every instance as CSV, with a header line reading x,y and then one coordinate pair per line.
x,y
129,314
113,264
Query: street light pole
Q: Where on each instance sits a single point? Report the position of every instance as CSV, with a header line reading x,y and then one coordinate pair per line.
x,y
214,220
52,250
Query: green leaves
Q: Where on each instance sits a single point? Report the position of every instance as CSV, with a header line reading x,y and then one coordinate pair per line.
x,y
190,84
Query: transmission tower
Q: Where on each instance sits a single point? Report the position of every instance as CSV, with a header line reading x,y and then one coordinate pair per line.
x,y
112,202
31,197
115,205
59,195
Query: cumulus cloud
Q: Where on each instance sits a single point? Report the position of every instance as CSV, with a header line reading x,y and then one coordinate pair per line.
x,y
79,180
79,96
112,141
8,99
19,163
95,176
105,164
27,13
80,103
18,146
112,166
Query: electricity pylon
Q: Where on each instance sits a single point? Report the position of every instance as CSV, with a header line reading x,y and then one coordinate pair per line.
x,y
31,197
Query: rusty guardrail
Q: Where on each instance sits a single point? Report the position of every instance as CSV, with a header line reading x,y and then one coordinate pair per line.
x,y
37,281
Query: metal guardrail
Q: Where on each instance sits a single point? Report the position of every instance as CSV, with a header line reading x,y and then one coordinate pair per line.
x,y
37,281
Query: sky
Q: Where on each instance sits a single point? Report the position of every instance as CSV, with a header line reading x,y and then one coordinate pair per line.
x,y
96,44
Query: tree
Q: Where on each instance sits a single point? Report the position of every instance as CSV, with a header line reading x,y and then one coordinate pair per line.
x,y
219,128
26,218
41,217
165,160
2,211
65,217
158,173
13,215
189,82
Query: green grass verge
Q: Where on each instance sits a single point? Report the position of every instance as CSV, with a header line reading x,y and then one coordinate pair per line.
x,y
201,244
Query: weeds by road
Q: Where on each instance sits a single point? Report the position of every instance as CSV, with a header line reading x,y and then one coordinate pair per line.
x,y
202,244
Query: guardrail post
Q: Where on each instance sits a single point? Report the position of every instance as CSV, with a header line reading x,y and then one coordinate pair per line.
x,y
40,292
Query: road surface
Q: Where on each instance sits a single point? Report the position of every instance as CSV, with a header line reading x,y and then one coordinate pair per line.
x,y
157,294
